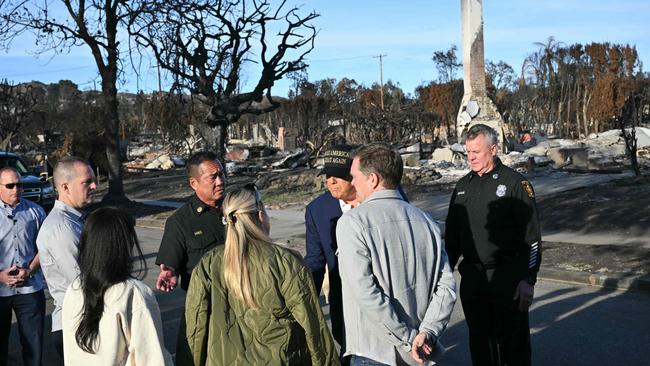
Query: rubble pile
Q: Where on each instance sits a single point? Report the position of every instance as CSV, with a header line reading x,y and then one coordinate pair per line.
x,y
420,175
289,170
153,161
602,152
291,179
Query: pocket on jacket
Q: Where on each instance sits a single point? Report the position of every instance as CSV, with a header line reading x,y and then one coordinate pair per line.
x,y
200,243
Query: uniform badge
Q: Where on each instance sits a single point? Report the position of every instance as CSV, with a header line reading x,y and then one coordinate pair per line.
x,y
501,190
198,232
199,209
528,189
495,176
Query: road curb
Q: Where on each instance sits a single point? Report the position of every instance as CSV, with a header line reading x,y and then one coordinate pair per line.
x,y
618,281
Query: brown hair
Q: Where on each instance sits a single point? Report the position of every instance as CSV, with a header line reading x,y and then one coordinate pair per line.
x,y
383,160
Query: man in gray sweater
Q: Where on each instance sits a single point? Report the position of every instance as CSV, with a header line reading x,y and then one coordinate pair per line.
x,y
58,239
398,288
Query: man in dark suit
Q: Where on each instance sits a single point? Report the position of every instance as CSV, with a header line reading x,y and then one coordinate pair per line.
x,y
320,218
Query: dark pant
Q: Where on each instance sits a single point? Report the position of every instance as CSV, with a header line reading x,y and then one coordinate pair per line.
x,y
30,315
336,309
364,361
57,341
499,334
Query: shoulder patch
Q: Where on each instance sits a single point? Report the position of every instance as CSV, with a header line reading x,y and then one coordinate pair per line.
x,y
528,188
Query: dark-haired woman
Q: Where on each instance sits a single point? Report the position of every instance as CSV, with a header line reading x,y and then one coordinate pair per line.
x,y
109,317
251,302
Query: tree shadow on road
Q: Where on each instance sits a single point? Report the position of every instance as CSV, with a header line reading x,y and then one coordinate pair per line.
x,y
575,325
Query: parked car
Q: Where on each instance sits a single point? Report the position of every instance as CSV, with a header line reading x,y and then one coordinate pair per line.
x,y
37,189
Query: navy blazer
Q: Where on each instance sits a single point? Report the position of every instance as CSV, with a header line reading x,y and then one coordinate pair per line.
x,y
321,217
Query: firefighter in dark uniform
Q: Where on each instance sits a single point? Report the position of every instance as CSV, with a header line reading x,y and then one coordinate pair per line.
x,y
194,229
492,222
190,232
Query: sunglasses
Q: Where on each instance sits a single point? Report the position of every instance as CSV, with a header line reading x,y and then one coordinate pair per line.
x,y
13,185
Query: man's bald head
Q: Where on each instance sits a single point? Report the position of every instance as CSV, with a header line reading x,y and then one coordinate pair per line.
x,y
65,171
75,182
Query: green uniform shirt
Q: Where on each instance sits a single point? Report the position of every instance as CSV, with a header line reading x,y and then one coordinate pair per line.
x,y
492,222
190,232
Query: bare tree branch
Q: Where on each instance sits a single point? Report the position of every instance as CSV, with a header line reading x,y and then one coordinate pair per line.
x,y
91,23
207,45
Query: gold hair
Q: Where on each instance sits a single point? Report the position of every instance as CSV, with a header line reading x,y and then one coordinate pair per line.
x,y
243,233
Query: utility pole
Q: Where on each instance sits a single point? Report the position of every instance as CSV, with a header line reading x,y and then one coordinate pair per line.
x,y
159,82
381,78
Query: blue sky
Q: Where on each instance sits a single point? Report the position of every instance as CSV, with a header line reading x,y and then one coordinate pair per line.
x,y
408,32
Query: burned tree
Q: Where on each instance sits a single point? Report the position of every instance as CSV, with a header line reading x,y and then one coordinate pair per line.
x,y
58,28
209,45
17,108
628,122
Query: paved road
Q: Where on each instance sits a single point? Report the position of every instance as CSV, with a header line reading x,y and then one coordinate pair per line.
x,y
572,324
289,222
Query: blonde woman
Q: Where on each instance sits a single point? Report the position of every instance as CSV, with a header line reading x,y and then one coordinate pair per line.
x,y
251,302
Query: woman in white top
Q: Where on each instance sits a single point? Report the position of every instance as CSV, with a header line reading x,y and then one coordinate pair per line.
x,y
109,317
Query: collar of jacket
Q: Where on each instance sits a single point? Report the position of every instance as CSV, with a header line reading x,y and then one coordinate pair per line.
x,y
497,169
384,194
60,205
11,210
199,207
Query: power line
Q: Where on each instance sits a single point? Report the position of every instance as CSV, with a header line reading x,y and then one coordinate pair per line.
x,y
47,71
340,58
92,66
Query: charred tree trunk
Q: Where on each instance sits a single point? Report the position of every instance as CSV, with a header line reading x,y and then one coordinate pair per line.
x,y
222,140
628,124
112,140
577,108
585,107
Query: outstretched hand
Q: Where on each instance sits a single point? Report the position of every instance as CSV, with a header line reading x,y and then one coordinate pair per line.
x,y
167,279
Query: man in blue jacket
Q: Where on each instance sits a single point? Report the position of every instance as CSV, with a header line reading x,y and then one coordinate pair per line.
x,y
321,217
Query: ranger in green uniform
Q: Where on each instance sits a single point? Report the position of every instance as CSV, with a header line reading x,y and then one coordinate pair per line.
x,y
492,222
196,227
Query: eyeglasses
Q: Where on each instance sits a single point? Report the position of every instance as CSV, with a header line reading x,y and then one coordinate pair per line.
x,y
17,185
253,188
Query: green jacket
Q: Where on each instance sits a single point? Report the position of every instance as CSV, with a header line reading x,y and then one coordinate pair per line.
x,y
287,329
